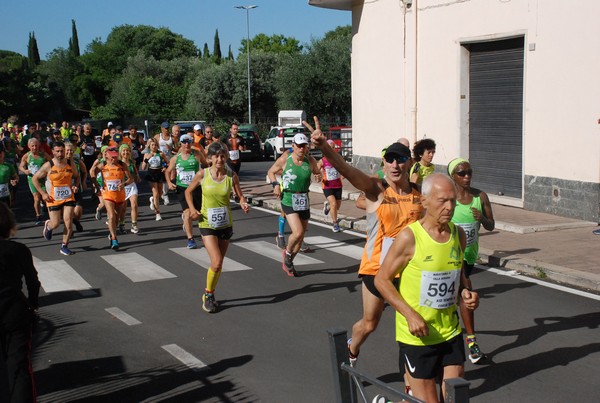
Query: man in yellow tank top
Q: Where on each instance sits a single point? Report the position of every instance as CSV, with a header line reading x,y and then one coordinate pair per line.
x,y
428,257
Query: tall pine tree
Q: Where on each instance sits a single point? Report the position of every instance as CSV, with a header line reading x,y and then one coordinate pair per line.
x,y
217,48
205,51
33,54
74,41
230,55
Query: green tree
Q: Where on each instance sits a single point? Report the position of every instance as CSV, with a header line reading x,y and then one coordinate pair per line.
x,y
19,97
74,41
206,52
217,48
58,74
273,43
230,54
33,54
318,81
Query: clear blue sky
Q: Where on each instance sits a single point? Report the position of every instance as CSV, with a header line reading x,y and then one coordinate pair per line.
x,y
196,20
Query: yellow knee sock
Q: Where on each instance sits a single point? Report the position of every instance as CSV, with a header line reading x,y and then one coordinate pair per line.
x,y
212,278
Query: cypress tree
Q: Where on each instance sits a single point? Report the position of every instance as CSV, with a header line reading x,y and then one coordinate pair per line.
x,y
217,48
33,54
230,55
74,41
206,52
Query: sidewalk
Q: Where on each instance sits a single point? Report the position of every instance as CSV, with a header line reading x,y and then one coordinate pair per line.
x,y
544,246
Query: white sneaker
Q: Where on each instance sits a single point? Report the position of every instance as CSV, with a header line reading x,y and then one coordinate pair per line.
x,y
151,203
158,217
134,229
165,200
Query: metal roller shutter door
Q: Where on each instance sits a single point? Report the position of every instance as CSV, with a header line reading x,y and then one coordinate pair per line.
x,y
496,116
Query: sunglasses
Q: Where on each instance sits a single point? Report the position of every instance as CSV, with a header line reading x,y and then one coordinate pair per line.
x,y
400,159
464,173
112,149
186,142
301,145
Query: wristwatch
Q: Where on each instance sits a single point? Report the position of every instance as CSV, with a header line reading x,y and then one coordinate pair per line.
x,y
274,183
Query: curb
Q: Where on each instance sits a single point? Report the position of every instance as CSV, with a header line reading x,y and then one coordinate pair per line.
x,y
542,270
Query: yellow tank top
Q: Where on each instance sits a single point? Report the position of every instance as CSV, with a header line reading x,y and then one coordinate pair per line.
x,y
395,212
429,284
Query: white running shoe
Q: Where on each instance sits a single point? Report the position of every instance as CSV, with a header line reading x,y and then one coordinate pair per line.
x,y
165,200
158,217
151,203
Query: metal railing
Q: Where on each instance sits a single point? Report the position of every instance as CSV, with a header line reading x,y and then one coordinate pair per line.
x,y
349,382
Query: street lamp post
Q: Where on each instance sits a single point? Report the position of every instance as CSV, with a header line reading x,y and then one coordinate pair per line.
x,y
248,8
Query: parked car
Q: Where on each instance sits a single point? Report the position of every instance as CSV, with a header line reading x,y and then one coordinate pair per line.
x,y
254,149
279,139
187,126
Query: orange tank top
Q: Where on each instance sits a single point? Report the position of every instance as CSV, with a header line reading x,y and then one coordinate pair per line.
x,y
113,176
393,214
59,184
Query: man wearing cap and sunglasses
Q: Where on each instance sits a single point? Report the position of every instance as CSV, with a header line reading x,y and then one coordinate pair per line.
x,y
296,174
185,165
473,209
391,205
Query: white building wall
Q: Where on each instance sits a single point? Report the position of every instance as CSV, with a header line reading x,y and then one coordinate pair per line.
x,y
561,130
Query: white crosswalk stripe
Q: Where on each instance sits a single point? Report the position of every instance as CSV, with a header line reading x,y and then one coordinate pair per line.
x,y
123,316
200,257
333,245
185,357
58,275
270,250
136,267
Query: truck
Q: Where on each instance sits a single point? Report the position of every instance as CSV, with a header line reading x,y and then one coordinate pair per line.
x,y
289,123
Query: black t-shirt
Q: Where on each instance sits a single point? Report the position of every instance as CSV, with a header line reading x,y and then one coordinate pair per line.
x,y
16,262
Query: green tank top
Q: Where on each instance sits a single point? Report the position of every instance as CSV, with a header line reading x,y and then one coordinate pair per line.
x,y
423,171
216,212
99,177
295,184
430,284
186,169
463,217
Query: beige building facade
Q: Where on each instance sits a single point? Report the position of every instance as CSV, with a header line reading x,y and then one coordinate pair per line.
x,y
512,85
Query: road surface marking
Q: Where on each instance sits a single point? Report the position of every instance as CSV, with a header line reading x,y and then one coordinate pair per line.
x,y
185,357
137,267
200,257
58,275
336,246
270,250
123,317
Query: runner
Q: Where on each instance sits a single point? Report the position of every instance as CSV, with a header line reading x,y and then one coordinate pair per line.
x,y
62,183
428,258
30,164
473,209
8,178
216,222
296,172
115,177
166,145
155,163
236,145
423,151
185,165
391,205
97,182
82,171
131,190
332,189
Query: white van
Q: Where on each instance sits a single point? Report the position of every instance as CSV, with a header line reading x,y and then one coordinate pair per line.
x,y
281,136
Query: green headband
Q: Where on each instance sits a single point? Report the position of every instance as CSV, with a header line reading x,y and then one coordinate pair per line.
x,y
124,145
102,149
454,163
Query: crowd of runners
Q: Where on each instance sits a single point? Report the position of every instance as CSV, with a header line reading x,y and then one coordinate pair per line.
x,y
422,236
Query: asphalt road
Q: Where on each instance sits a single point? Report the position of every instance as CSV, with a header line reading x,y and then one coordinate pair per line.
x,y
128,326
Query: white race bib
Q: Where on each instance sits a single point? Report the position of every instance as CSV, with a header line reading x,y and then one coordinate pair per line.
x,y
186,177
4,192
154,162
218,217
135,153
300,201
385,247
234,155
439,289
472,231
130,190
331,173
113,185
62,192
